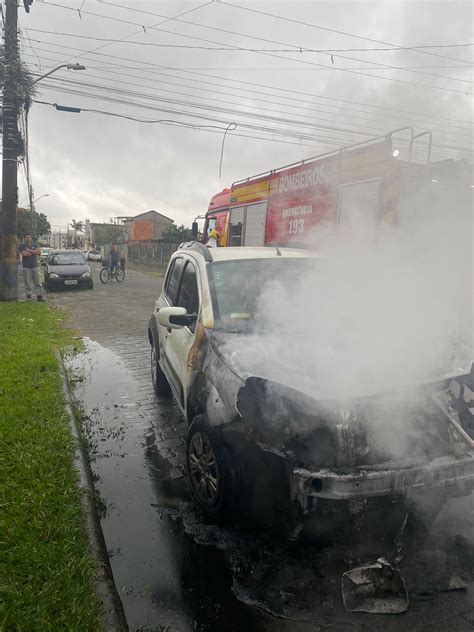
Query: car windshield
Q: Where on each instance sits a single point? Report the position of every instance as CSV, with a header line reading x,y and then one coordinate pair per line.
x,y
66,259
239,288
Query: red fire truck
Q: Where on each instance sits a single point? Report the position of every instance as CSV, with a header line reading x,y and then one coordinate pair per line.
x,y
286,205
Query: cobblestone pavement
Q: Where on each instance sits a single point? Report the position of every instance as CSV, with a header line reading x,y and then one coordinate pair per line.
x,y
116,315
136,445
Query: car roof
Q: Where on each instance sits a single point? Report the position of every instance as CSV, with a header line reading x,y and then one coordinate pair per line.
x,y
57,252
249,252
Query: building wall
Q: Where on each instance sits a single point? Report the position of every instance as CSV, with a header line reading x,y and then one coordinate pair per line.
x,y
139,229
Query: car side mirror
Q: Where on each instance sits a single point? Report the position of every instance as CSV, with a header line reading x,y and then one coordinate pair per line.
x,y
175,317
194,230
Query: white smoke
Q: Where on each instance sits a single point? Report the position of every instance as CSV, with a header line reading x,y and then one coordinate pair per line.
x,y
378,311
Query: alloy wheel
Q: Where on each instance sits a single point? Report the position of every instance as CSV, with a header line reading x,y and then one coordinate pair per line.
x,y
204,470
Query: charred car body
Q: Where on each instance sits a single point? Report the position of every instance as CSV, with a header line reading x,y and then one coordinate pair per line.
x,y
262,444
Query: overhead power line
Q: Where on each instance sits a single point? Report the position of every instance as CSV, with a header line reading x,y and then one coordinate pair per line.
x,y
295,46
370,129
243,69
303,135
205,128
136,118
213,129
213,105
330,30
252,50
162,21
390,123
291,91
336,68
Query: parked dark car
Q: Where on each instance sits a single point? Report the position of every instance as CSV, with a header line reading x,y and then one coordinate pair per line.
x,y
67,268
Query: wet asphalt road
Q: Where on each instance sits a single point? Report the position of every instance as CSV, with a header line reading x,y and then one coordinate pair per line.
x,y
172,572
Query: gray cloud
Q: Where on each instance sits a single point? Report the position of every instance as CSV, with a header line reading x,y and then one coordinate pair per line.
x,y
98,167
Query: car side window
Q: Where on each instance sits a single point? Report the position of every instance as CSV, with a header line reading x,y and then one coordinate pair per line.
x,y
173,279
188,296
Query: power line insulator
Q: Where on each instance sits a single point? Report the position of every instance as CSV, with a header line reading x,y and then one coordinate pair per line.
x,y
27,4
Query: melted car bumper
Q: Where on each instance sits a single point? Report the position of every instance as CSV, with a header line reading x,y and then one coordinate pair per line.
x,y
456,476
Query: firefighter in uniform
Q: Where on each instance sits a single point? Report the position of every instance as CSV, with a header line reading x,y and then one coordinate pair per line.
x,y
213,239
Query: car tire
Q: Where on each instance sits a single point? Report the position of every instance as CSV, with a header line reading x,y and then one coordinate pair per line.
x,y
158,378
211,472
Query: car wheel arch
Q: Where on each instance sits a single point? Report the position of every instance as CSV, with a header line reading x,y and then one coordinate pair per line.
x,y
151,338
204,398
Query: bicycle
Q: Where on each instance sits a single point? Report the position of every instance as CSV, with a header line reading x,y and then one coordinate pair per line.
x,y
106,275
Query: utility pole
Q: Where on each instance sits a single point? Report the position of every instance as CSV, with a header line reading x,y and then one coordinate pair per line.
x,y
8,220
32,213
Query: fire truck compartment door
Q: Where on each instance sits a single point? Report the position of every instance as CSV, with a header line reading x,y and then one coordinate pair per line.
x,y
358,206
255,224
237,216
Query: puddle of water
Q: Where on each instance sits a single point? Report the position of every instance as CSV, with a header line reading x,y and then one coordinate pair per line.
x,y
173,570
163,577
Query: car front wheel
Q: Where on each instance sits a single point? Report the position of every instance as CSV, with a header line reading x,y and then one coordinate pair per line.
x,y
160,383
211,471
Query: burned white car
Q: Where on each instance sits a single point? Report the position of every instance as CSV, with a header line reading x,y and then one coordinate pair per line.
x,y
267,437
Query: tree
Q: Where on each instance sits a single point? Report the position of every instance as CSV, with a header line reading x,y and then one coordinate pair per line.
x,y
77,227
107,234
24,91
176,234
43,227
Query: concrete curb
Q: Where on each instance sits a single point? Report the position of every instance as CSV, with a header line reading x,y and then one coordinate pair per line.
x,y
113,613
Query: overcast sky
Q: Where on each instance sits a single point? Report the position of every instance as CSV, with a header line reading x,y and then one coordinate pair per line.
x,y
98,166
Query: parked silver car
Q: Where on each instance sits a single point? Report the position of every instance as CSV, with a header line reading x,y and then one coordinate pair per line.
x,y
93,255
261,439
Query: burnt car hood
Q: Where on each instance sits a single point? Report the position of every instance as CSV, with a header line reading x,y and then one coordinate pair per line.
x,y
69,270
279,359
287,412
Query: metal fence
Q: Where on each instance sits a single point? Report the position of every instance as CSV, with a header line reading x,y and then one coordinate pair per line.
x,y
152,254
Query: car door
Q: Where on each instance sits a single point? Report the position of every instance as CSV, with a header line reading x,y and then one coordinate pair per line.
x,y
167,298
180,341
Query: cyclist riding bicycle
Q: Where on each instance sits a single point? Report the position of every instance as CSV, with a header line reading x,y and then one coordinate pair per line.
x,y
113,258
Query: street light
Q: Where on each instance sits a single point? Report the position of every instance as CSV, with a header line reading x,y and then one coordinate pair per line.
x,y
68,66
32,208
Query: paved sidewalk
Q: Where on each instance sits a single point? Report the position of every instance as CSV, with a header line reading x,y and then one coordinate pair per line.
x,y
21,284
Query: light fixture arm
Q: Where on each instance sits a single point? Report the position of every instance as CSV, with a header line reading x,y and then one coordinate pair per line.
x,y
68,66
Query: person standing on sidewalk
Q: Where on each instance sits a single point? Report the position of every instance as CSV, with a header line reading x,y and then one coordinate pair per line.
x,y
31,275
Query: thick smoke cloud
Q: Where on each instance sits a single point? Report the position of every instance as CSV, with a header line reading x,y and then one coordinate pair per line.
x,y
379,310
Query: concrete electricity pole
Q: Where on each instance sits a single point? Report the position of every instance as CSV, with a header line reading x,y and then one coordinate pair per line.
x,y
8,220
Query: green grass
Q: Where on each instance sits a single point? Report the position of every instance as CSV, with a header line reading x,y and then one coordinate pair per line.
x,y
46,570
